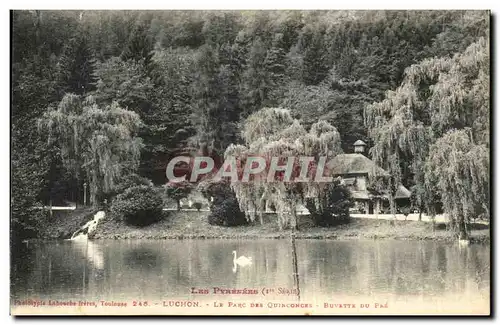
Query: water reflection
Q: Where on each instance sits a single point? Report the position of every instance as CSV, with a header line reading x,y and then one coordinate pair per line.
x,y
141,258
92,252
170,268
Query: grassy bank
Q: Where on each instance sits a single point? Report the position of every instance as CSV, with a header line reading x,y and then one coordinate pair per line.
x,y
192,224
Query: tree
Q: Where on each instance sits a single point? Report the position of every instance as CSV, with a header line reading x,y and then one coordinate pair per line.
x,y
215,100
206,95
139,205
275,65
76,68
332,206
224,207
125,82
34,84
272,132
239,53
315,66
229,106
437,95
309,103
140,46
173,100
335,100
178,191
29,167
220,28
98,142
126,182
290,28
162,108
461,169
346,61
255,83
461,30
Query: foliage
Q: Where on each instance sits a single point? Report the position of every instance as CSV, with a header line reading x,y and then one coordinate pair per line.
x,y
139,206
332,206
315,67
197,206
126,182
337,101
226,213
174,99
224,207
160,99
461,169
178,191
211,189
76,67
140,45
214,105
255,82
131,180
124,82
272,132
437,96
405,210
98,141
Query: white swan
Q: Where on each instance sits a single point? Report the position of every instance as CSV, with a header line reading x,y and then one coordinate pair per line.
x,y
463,242
242,260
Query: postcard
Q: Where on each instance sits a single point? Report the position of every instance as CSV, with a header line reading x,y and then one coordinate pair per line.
x,y
283,162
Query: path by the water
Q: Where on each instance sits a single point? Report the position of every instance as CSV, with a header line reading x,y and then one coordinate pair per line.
x,y
441,218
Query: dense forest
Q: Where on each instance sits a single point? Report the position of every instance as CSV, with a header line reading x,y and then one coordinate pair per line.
x,y
96,94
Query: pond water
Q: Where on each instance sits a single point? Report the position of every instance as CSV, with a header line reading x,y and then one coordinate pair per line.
x,y
406,276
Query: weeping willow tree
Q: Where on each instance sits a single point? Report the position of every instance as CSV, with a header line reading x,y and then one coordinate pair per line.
x,y
460,168
436,96
272,132
97,143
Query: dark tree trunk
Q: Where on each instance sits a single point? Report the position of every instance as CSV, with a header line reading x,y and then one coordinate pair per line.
x,y
77,190
462,229
392,205
50,207
295,266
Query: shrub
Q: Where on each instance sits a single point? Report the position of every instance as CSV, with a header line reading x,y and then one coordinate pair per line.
x,y
197,205
178,191
332,208
125,183
227,213
216,190
405,210
131,180
224,207
139,206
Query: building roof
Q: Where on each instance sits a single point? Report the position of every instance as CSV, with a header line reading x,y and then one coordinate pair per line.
x,y
359,143
402,193
354,163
